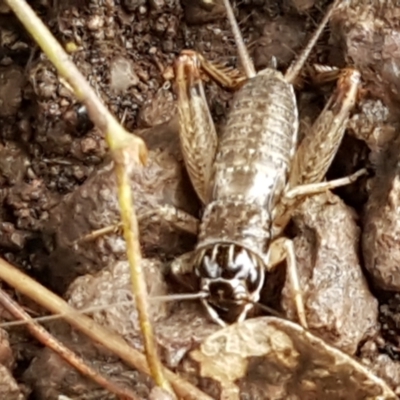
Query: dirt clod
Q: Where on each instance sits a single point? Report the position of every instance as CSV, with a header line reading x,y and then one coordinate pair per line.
x,y
262,356
333,283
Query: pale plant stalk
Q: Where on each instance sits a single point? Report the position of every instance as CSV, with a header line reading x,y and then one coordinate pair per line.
x,y
131,234
69,356
98,333
118,140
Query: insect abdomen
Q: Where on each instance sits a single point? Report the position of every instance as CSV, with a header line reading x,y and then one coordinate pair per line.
x,y
252,163
258,142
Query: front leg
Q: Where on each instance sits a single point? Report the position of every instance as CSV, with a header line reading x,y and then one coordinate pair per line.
x,y
183,266
182,270
167,213
179,219
280,250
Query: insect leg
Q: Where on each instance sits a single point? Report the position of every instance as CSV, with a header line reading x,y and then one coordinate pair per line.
x,y
319,146
177,218
181,269
315,188
280,250
197,132
227,77
93,235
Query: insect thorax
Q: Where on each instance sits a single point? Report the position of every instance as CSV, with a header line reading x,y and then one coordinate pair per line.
x,y
245,224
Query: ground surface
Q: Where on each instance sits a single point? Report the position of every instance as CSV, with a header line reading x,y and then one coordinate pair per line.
x,y
56,182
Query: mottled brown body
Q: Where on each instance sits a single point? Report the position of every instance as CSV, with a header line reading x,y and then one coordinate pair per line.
x,y
245,178
252,164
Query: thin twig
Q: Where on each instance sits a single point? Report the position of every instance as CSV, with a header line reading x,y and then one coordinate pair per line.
x,y
69,356
110,340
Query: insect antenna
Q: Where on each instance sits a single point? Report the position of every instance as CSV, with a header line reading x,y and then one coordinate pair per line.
x,y
295,68
164,298
241,47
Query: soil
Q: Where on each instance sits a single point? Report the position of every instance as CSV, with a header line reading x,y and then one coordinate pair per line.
x,y
57,183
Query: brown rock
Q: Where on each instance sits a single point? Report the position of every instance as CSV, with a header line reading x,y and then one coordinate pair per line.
x,y
339,306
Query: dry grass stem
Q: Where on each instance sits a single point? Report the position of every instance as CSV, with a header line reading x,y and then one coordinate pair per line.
x,y
110,340
69,356
118,139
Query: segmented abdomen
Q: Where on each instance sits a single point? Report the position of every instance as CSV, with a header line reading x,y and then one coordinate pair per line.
x,y
252,163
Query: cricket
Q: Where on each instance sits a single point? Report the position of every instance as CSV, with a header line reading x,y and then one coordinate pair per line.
x,y
253,175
